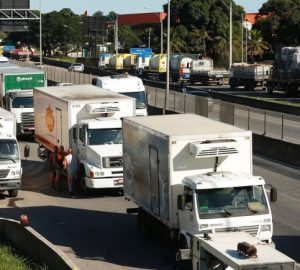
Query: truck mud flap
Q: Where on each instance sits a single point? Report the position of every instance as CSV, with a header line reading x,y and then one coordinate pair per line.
x,y
132,210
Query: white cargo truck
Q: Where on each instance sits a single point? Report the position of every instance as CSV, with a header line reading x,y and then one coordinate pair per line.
x,y
88,120
10,161
235,251
194,175
203,71
128,85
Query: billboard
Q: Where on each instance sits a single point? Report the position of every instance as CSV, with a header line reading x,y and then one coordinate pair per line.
x,y
24,81
14,4
13,25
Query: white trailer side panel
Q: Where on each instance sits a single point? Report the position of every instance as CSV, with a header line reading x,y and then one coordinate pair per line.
x,y
157,156
58,109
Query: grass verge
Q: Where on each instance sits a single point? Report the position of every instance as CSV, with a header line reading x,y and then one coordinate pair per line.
x,y
10,259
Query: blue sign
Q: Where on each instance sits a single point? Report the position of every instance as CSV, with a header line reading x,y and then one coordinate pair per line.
x,y
141,51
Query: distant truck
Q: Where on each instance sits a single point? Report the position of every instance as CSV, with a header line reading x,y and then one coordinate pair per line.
x,y
249,75
285,73
203,71
193,175
10,160
87,119
128,85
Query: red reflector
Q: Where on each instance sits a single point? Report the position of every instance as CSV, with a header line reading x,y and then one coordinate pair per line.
x,y
119,181
92,174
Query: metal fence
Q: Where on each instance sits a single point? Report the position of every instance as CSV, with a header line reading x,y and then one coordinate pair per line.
x,y
57,74
272,124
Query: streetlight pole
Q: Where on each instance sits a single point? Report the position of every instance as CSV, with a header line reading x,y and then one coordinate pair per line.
x,y
230,35
168,61
41,48
161,31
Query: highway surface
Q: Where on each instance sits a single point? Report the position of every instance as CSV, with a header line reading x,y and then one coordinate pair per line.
x,y
96,233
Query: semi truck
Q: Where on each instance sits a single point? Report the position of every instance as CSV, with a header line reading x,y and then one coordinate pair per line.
x,y
14,80
87,119
249,75
232,250
203,71
191,175
285,73
128,85
10,161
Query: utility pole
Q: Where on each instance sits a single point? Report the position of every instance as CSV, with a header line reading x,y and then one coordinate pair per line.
x,y
168,62
41,44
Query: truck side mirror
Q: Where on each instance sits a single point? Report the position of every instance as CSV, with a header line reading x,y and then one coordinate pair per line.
x,y
273,194
180,202
26,150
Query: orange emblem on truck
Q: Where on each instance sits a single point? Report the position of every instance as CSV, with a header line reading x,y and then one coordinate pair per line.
x,y
49,119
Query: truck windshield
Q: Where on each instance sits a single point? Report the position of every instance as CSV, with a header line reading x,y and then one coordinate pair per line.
x,y
22,102
232,201
104,136
9,150
140,99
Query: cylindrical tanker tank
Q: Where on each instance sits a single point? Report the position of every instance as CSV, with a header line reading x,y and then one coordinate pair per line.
x,y
116,61
158,62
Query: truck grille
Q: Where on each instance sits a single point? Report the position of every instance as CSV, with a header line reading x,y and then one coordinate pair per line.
x,y
112,162
3,173
27,120
252,230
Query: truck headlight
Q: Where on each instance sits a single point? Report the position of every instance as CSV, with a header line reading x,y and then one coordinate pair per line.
x,y
265,228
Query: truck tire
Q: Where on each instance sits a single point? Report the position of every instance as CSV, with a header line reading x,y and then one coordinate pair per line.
x,y
269,89
13,193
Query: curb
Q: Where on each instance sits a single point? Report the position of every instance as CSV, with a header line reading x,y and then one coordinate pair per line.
x,y
34,245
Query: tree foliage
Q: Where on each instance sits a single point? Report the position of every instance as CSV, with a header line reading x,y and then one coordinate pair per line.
x,y
279,22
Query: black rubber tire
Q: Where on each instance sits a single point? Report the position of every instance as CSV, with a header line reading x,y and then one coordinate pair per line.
x,y
13,193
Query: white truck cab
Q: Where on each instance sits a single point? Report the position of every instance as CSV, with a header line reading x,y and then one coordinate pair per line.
x,y
125,84
20,103
224,202
10,161
98,143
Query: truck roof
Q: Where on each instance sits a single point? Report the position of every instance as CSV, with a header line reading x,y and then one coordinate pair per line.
x,y
187,125
224,246
86,92
222,180
6,114
19,70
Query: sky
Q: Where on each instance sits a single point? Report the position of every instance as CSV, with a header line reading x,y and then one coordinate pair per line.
x,y
120,6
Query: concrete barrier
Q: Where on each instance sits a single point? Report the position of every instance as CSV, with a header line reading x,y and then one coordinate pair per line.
x,y
35,246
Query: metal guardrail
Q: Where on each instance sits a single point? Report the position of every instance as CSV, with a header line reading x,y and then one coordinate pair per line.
x,y
277,125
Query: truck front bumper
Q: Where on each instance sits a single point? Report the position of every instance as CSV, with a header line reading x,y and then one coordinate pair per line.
x,y
8,184
113,182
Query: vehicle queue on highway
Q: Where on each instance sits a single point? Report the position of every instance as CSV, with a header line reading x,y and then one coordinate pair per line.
x,y
94,121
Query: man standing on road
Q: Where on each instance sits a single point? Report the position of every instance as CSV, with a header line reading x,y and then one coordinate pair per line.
x,y
70,165
52,166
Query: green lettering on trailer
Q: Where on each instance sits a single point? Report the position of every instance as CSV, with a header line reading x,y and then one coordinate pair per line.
x,y
23,81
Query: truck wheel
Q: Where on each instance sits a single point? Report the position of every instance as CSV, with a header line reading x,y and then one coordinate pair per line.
x,y
13,193
270,89
84,189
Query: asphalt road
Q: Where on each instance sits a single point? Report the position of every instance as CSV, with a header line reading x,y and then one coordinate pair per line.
x,y
96,233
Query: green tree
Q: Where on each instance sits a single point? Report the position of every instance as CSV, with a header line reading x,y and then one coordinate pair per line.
x,y
197,40
256,45
178,36
279,22
128,38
